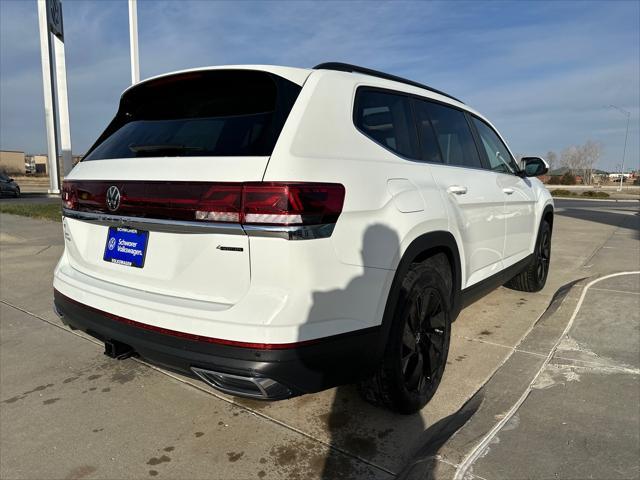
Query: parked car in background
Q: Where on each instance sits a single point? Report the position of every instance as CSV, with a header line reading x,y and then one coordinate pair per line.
x,y
279,231
8,186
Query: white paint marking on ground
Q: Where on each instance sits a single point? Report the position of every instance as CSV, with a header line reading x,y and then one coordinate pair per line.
x,y
599,366
478,450
618,212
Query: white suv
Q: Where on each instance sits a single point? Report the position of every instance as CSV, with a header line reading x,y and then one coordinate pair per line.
x,y
279,231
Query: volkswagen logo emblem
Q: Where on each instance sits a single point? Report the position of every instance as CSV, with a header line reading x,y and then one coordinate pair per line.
x,y
113,198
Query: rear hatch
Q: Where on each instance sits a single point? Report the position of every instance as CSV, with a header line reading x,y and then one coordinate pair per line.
x,y
151,207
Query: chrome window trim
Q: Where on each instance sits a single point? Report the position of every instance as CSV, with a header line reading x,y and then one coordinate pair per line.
x,y
293,232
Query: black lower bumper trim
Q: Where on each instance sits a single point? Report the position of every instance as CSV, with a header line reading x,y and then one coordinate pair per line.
x,y
307,368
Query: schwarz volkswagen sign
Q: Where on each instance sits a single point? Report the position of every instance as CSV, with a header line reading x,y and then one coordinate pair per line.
x,y
54,18
113,198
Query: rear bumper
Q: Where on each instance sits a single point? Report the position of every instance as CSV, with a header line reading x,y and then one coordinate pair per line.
x,y
300,368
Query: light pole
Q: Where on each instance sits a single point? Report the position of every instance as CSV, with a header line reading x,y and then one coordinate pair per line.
x,y
133,41
626,135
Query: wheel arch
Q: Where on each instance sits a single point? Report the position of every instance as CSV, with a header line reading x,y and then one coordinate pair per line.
x,y
421,248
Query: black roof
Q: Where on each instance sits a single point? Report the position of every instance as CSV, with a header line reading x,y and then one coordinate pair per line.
x,y
346,67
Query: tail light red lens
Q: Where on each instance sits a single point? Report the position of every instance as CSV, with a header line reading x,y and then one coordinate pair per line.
x,y
69,196
220,203
292,203
252,203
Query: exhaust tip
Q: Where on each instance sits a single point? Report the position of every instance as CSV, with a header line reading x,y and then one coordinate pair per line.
x,y
251,387
117,350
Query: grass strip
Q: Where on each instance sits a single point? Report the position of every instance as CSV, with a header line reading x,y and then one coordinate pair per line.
x,y
44,211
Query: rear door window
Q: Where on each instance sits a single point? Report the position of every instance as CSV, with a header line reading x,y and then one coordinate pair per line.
x,y
209,113
454,136
498,155
386,118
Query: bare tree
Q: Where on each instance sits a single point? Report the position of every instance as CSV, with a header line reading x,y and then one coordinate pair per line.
x,y
590,154
581,159
552,160
570,159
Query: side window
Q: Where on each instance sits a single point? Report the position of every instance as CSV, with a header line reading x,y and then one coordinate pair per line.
x,y
386,118
454,136
499,157
428,140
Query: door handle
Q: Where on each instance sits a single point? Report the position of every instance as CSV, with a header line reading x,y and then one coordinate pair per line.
x,y
457,189
508,191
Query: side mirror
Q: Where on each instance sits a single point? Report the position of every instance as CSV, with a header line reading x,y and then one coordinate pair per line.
x,y
9,179
534,166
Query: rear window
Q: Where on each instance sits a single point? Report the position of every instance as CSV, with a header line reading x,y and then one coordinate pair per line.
x,y
386,118
214,113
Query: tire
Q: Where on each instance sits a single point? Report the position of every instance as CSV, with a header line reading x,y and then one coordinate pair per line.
x,y
534,277
17,193
418,344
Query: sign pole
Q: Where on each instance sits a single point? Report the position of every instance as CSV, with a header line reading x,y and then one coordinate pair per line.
x,y
50,113
63,105
133,41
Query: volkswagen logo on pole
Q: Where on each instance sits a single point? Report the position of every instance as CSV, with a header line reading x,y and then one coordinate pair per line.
x,y
113,198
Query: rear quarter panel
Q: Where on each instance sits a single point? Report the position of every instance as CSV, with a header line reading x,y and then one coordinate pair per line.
x,y
389,200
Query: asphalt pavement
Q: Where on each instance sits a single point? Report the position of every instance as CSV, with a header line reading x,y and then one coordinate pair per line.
x,y
37,198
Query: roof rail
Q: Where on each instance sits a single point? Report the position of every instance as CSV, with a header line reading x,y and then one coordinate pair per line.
x,y
346,67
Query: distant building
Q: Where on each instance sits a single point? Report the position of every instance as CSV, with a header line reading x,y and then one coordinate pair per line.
x,y
34,164
12,162
41,163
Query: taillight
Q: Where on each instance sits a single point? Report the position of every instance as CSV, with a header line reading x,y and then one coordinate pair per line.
x,y
249,203
69,196
291,203
220,203
272,203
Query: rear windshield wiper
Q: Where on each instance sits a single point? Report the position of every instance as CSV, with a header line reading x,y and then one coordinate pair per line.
x,y
163,148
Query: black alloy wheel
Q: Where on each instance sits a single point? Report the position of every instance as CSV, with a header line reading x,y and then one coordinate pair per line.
x,y
543,256
423,341
418,342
